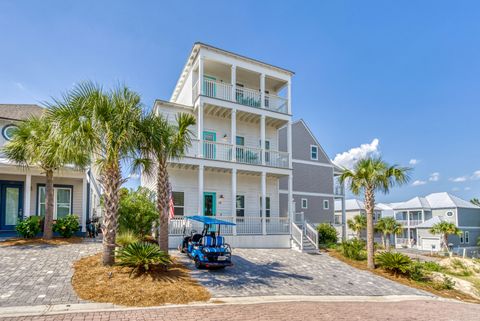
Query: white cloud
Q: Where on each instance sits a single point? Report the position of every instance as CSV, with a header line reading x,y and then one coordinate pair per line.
x,y
414,161
134,176
350,158
460,179
434,177
455,189
476,175
418,183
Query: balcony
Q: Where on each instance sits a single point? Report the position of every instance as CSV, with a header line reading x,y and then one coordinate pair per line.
x,y
240,95
243,154
413,222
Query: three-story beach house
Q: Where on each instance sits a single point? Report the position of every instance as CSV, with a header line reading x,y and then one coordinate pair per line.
x,y
234,165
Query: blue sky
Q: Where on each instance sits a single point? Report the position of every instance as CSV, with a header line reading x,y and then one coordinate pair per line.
x,y
405,73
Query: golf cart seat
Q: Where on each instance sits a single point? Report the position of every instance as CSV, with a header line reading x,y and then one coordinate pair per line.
x,y
196,238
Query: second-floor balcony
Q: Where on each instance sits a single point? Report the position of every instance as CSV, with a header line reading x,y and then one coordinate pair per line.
x,y
240,95
413,222
240,154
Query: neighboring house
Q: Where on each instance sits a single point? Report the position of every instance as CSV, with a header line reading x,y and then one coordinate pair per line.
x,y
232,170
419,214
354,207
22,191
315,186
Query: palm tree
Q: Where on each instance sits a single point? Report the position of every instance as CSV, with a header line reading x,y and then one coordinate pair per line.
x,y
161,142
35,144
388,226
106,125
445,229
475,201
368,176
357,224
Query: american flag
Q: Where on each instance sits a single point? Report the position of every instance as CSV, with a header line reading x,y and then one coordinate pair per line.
x,y
171,210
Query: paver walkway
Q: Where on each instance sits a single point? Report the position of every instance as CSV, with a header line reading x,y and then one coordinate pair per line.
x,y
40,274
260,272
291,311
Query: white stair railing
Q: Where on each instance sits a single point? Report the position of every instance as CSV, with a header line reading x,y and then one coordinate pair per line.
x,y
297,235
311,234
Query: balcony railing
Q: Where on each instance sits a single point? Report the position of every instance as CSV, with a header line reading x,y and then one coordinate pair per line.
x,y
249,155
243,95
276,158
248,225
412,222
339,190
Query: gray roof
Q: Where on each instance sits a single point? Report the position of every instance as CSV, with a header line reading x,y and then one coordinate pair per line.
x,y
431,222
20,111
414,203
352,205
434,201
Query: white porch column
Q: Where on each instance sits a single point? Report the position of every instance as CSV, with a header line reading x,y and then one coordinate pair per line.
x,y
289,143
408,229
233,134
200,189
264,203
84,203
234,199
28,193
262,90
423,216
289,96
200,75
344,220
290,197
233,80
262,137
200,129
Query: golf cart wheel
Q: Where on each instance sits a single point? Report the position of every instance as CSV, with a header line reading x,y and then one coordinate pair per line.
x,y
198,264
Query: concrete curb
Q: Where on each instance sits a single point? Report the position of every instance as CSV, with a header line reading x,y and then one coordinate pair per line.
x,y
16,311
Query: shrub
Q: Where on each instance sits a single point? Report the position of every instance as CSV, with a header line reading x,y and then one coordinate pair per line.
x,y
446,284
394,262
127,237
29,227
67,226
327,234
137,211
432,266
354,249
142,256
416,271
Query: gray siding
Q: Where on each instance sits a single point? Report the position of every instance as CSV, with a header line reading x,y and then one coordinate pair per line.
x,y
468,217
310,178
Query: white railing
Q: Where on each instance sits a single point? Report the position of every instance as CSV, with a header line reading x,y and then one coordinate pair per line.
x,y
217,151
248,97
411,223
276,103
339,190
278,225
249,155
311,234
249,225
297,235
276,158
217,89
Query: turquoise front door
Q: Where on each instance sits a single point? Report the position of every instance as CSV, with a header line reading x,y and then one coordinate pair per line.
x,y
209,203
11,204
209,148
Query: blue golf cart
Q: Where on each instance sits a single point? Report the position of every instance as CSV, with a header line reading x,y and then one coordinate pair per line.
x,y
208,248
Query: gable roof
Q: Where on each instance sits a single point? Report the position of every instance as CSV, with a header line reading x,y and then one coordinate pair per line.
x,y
20,111
352,205
447,200
431,222
414,203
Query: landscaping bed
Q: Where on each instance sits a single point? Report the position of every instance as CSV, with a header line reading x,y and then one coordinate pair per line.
x,y
434,282
40,241
114,284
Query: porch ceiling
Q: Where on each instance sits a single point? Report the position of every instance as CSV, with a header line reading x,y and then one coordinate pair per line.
x,y
222,112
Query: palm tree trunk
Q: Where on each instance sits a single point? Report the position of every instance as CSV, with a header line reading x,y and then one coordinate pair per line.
x,y
47,225
369,208
383,241
387,242
445,242
162,204
111,182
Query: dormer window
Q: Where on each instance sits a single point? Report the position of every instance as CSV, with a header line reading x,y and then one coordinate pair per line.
x,y
313,152
8,131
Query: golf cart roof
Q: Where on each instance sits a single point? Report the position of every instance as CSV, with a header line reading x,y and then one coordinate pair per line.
x,y
208,220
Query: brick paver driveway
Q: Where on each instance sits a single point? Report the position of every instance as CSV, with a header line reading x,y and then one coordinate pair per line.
x,y
40,274
288,311
259,272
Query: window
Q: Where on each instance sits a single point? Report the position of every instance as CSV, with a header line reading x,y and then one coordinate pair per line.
x,y
267,206
240,205
240,141
467,237
62,204
8,131
178,203
313,152
449,213
267,148
338,219
304,203
326,204
461,238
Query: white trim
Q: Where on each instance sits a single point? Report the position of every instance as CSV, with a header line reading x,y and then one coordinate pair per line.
x,y
301,161
311,152
470,227
328,204
306,203
283,191
466,237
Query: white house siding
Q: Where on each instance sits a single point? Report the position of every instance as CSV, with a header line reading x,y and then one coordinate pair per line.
x,y
186,180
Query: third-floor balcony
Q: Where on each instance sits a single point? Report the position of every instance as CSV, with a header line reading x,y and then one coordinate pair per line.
x,y
240,154
240,95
